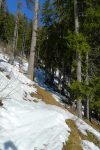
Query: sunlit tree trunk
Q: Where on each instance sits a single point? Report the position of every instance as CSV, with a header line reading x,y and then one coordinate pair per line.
x,y
33,42
79,103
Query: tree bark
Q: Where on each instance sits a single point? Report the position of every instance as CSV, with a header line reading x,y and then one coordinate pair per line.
x,y
23,44
14,44
79,103
15,38
33,42
0,3
87,80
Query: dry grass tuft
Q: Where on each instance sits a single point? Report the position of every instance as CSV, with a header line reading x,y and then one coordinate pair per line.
x,y
94,124
90,137
74,142
45,96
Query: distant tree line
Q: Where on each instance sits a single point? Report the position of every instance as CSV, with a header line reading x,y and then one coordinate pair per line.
x,y
15,30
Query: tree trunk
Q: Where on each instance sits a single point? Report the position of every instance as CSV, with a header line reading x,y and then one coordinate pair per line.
x,y
23,44
87,78
79,103
59,84
33,42
0,3
15,38
14,44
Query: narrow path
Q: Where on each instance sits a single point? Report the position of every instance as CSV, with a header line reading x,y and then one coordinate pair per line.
x,y
74,139
74,142
49,99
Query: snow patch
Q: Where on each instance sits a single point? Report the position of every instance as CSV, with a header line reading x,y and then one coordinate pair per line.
x,y
82,126
86,145
25,124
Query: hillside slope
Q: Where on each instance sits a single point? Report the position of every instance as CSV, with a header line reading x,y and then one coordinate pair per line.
x,y
29,121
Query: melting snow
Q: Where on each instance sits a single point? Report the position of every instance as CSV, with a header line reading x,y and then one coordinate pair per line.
x,y
26,124
86,145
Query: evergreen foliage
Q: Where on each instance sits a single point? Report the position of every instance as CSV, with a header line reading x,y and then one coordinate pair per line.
x,y
57,44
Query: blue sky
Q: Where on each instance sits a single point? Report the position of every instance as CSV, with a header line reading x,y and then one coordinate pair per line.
x,y
12,6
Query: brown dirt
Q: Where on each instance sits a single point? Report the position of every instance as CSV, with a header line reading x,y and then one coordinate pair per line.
x,y
93,124
45,96
48,98
74,142
90,137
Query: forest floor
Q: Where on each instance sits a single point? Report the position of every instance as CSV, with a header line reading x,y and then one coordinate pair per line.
x,y
74,141
47,97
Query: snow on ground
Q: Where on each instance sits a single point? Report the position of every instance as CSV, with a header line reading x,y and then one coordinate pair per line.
x,y
82,126
3,57
86,145
26,124
40,79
